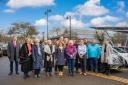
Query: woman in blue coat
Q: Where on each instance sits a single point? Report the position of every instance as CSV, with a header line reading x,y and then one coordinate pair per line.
x,y
93,54
37,58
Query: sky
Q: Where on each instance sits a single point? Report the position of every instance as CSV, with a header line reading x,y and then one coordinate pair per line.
x,y
84,13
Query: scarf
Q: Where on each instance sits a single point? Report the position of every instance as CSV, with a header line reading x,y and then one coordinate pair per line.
x,y
14,44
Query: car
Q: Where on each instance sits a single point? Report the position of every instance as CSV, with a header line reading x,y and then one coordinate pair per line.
x,y
1,51
122,53
4,50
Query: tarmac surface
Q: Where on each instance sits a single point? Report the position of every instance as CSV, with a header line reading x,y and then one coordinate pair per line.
x,y
90,79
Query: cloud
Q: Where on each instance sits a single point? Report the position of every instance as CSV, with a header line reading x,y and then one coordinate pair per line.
x,y
104,21
41,22
9,11
61,21
69,14
122,24
127,14
121,6
16,4
91,8
76,24
56,18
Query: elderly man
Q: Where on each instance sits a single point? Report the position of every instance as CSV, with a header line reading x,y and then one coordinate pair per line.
x,y
13,54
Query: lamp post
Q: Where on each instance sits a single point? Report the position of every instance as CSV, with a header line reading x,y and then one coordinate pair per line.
x,y
47,15
70,27
43,36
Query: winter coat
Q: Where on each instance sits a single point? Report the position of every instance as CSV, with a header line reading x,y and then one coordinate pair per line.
x,y
60,56
93,51
107,57
11,50
25,59
37,57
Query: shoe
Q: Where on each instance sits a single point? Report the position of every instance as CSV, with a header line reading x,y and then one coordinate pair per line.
x,y
36,76
72,74
77,71
17,73
50,74
81,73
47,75
56,73
25,77
84,74
10,73
61,74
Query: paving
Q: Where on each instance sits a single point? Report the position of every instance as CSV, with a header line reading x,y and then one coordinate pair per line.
x,y
90,79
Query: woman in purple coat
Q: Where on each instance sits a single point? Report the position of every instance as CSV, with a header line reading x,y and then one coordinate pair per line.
x,y
37,58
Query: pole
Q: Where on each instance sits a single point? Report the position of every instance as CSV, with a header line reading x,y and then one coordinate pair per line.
x,y
43,36
70,28
47,25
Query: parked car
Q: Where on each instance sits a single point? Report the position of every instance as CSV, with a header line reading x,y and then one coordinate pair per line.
x,y
1,51
122,53
4,50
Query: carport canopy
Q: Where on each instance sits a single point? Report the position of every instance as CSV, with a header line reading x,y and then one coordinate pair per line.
x,y
116,29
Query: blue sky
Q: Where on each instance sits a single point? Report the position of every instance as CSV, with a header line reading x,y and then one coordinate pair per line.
x,y
85,13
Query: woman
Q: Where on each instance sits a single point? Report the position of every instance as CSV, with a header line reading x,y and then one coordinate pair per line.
x,y
82,57
106,57
56,47
71,53
49,50
37,58
26,58
60,58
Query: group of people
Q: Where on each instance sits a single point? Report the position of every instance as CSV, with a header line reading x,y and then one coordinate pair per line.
x,y
53,55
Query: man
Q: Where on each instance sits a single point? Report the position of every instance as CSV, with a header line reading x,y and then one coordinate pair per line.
x,y
93,54
13,54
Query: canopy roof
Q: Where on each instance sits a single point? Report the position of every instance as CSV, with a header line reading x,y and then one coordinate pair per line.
x,y
117,29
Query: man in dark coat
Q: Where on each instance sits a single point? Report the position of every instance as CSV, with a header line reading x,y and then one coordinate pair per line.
x,y
13,50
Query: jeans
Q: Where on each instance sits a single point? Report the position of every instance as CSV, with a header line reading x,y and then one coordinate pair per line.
x,y
93,64
11,66
83,64
71,65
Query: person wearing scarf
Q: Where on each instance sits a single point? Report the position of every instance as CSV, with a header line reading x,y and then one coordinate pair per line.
x,y
71,53
37,58
49,50
26,60
13,50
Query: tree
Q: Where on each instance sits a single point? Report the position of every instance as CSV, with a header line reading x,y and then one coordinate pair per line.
x,y
56,31
100,37
66,33
23,28
120,38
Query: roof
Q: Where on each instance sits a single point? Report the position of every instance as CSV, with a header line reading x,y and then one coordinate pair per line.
x,y
117,29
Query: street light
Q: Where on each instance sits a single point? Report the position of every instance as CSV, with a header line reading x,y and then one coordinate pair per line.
x,y
43,36
47,14
70,19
